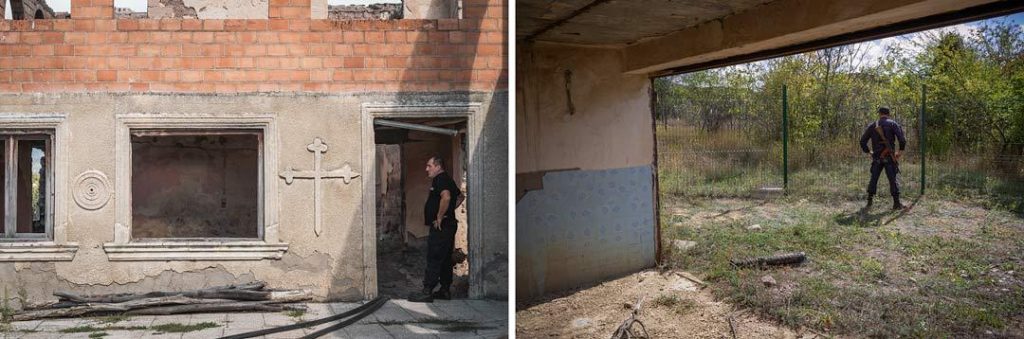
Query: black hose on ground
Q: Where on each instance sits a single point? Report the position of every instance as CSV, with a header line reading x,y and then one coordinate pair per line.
x,y
344,323
359,312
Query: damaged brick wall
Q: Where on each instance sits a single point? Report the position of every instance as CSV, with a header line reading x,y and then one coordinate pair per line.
x,y
288,52
159,9
365,12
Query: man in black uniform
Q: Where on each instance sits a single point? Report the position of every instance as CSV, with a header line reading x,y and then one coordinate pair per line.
x,y
882,134
439,215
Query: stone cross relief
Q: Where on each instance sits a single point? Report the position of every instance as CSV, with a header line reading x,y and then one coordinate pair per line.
x,y
318,147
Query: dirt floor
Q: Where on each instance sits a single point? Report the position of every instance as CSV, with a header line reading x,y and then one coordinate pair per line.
x,y
943,268
673,307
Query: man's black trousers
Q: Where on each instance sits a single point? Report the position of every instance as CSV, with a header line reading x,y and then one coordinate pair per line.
x,y
890,172
440,245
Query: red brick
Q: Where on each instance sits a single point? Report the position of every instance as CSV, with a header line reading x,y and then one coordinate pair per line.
x,y
149,24
448,24
318,50
299,25
312,62
320,25
43,50
190,76
106,75
160,37
191,24
170,24
374,63
290,37
309,38
374,37
202,37
63,25
139,87
64,50
256,25
115,37
278,24
213,25
341,50
277,50
234,25
395,37
354,62
255,50
225,37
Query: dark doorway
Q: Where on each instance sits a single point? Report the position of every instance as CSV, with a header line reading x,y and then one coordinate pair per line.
x,y
401,191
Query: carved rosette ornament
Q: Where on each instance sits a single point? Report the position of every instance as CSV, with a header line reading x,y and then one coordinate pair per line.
x,y
92,190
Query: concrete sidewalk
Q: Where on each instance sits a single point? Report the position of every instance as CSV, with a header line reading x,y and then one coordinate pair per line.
x,y
396,319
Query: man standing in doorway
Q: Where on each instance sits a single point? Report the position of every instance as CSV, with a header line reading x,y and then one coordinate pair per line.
x,y
884,156
439,215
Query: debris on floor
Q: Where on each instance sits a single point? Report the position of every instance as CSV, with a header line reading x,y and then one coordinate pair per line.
x,y
232,298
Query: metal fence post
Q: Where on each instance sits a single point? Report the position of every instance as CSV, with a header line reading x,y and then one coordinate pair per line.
x,y
785,140
920,133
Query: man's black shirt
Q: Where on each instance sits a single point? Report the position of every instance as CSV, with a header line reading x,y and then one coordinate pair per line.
x,y
440,183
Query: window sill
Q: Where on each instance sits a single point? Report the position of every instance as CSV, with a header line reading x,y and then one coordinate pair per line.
x,y
36,251
194,250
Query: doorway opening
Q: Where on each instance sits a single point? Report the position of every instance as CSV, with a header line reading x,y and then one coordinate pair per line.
x,y
402,147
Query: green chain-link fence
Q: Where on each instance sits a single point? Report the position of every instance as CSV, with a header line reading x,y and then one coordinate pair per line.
x,y
715,142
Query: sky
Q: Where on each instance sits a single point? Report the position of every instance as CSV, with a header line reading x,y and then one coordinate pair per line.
x,y
876,48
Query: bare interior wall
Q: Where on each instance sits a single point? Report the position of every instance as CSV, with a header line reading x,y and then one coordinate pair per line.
x,y
607,125
577,113
195,186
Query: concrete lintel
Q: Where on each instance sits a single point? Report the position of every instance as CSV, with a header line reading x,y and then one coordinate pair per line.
x,y
777,24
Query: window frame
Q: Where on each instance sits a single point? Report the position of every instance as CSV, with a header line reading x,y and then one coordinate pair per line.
x,y
55,247
11,137
208,131
124,248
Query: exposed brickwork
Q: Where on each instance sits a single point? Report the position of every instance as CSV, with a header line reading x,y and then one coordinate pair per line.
x,y
288,52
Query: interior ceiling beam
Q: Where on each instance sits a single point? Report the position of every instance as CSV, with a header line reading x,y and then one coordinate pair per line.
x,y
566,18
416,127
915,25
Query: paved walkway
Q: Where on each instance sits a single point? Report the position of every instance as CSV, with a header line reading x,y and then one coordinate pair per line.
x,y
396,319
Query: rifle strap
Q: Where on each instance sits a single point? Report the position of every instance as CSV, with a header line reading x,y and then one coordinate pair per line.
x,y
888,147
881,134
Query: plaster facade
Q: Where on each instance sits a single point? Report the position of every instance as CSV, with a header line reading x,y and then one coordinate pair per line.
x,y
332,265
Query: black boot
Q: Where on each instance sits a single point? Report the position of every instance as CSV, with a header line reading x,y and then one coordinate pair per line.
x,y
871,199
423,296
443,294
896,205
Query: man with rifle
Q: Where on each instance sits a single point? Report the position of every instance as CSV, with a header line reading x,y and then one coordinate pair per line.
x,y
883,154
